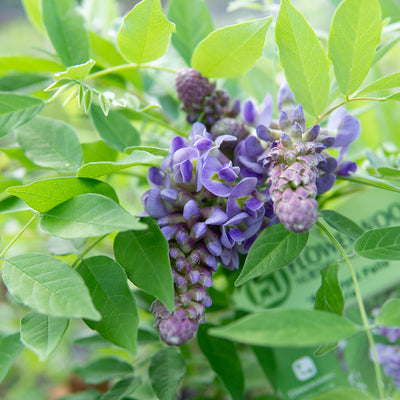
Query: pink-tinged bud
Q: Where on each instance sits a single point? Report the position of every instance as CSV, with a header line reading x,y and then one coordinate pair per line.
x,y
177,329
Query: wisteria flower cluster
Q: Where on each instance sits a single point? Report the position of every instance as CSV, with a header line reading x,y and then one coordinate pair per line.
x,y
216,191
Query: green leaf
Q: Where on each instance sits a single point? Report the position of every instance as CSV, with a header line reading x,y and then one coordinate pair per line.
x,y
379,244
193,23
224,360
145,32
303,59
329,296
166,370
287,327
274,248
353,37
33,12
50,144
389,172
16,110
23,83
121,389
325,349
342,394
28,64
389,315
157,151
104,369
383,49
42,333
115,129
11,204
76,72
232,50
371,181
145,257
10,347
87,215
48,286
342,224
387,82
44,195
100,168
115,302
66,29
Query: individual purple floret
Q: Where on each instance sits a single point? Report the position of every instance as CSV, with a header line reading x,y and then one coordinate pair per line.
x,y
389,358
201,100
209,214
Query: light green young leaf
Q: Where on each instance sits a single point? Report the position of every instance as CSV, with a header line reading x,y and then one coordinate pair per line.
x,y
88,215
157,151
166,370
76,72
28,64
287,327
100,168
104,369
33,12
303,59
371,181
329,296
48,193
353,37
342,394
115,302
193,23
387,82
145,32
145,257
10,347
16,110
342,224
384,49
389,315
42,333
224,360
66,29
232,50
274,248
48,286
50,144
389,172
115,129
379,244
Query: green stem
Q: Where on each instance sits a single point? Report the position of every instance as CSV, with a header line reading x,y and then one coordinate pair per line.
x,y
16,237
124,67
81,256
361,307
321,117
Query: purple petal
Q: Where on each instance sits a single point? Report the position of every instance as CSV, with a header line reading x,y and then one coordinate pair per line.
x,y
216,217
198,129
169,195
263,133
177,143
346,167
169,232
325,183
213,246
229,173
244,188
184,172
285,97
249,112
298,116
253,204
155,176
284,121
236,234
190,210
237,219
153,204
226,240
350,131
217,188
199,230
336,118
224,138
265,115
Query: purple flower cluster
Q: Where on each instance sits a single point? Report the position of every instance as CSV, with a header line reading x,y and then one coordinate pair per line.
x,y
218,189
296,161
200,99
208,214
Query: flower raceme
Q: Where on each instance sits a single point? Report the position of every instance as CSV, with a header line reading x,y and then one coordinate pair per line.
x,y
217,190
